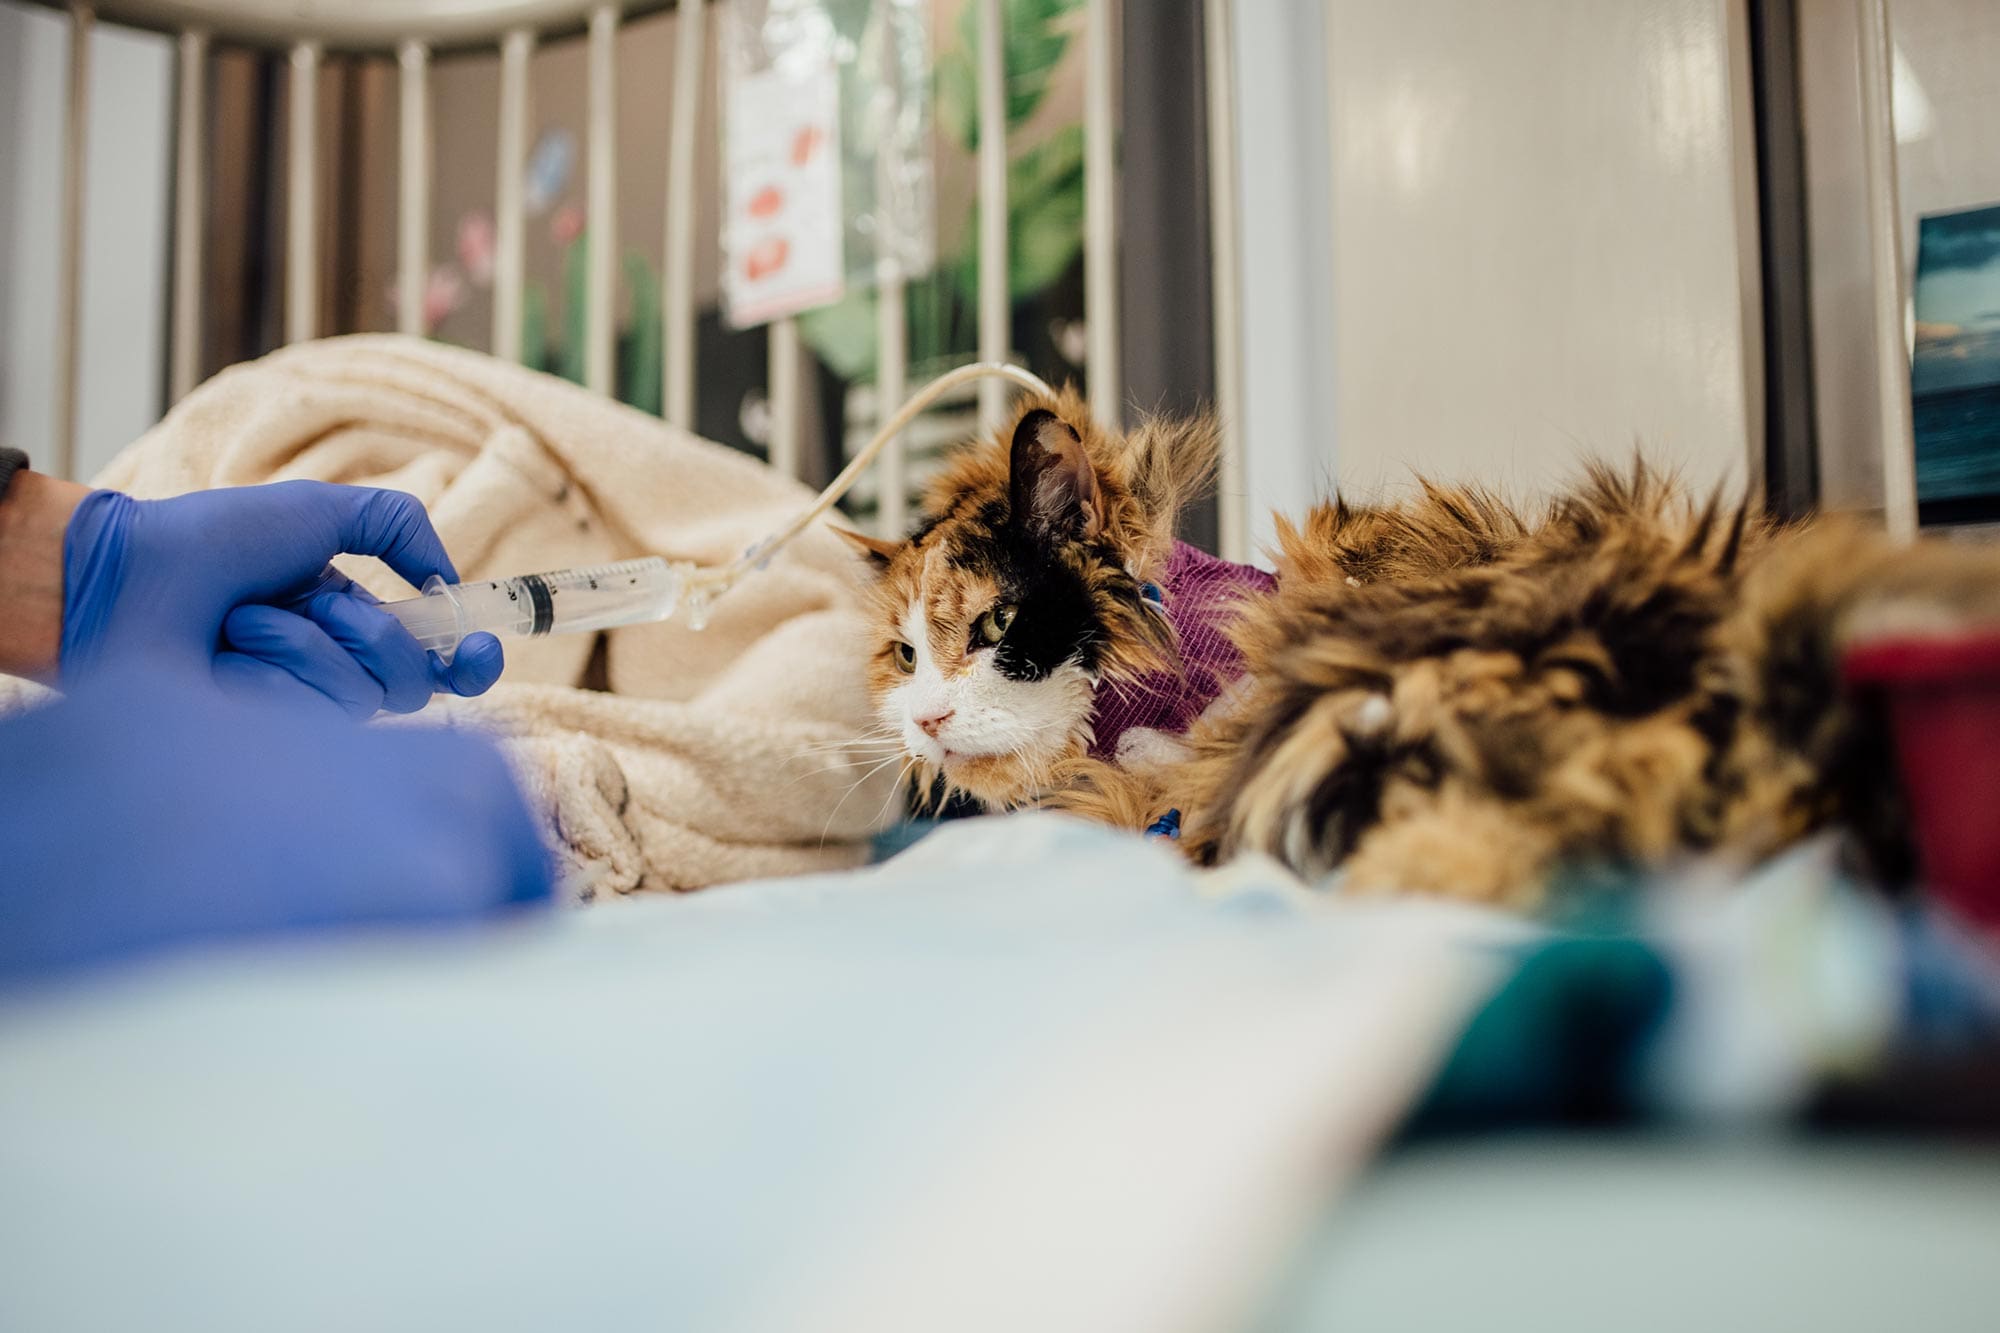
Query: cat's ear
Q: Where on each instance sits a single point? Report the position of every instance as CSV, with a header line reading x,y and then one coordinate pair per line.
x,y
879,552
1052,484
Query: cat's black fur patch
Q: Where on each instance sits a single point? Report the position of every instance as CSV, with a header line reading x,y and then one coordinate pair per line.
x,y
1054,620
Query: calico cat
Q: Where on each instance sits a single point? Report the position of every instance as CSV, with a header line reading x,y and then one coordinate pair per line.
x,y
1025,611
1449,694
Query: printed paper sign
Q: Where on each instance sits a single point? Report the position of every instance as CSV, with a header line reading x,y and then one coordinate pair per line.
x,y
783,242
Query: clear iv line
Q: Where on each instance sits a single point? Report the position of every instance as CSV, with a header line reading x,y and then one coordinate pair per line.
x,y
635,592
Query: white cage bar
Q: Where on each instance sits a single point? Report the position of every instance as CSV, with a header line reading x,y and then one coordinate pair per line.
x,y
601,253
892,374
413,186
509,207
994,307
302,197
1231,518
892,344
1100,227
677,309
601,245
782,395
1885,222
190,215
370,27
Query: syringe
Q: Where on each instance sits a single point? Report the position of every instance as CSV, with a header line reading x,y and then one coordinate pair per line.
x,y
562,601
634,592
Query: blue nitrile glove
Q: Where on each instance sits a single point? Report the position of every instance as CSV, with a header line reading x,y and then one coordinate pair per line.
x,y
149,809
238,582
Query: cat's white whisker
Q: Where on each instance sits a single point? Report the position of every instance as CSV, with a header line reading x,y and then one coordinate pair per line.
x,y
856,786
895,790
825,769
840,751
858,743
848,748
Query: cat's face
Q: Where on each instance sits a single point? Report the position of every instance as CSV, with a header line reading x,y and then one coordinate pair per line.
x,y
987,675
1012,605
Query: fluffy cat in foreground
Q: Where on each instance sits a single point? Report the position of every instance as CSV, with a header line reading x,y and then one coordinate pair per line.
x,y
1445,695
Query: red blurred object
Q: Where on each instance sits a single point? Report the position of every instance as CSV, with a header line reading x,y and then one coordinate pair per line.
x,y
566,225
766,258
766,202
1943,696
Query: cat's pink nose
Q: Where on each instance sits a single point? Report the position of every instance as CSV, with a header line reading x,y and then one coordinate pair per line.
x,y
934,723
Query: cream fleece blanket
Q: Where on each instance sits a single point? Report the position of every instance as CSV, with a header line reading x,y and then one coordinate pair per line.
x,y
719,754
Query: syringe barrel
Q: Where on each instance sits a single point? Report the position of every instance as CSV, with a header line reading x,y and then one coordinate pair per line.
x,y
436,620
562,601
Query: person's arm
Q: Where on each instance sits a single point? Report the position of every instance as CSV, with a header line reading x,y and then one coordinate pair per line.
x,y
34,515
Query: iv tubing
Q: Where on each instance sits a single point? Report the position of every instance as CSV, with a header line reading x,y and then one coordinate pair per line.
x,y
708,584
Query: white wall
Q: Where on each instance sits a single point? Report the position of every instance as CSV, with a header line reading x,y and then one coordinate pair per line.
x,y
125,235
1542,240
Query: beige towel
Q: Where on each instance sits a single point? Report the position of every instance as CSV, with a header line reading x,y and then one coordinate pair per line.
x,y
719,754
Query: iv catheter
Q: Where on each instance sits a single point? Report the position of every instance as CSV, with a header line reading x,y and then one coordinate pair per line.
x,y
636,592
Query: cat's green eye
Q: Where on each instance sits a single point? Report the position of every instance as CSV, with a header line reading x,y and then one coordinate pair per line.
x,y
906,658
992,626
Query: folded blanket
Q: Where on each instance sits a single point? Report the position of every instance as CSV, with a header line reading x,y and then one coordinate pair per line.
x,y
716,754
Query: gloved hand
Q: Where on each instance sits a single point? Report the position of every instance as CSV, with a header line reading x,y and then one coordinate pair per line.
x,y
238,582
146,810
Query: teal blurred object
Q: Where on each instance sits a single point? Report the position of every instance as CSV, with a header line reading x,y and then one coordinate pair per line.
x,y
1955,365
1790,995
1560,1044
900,838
